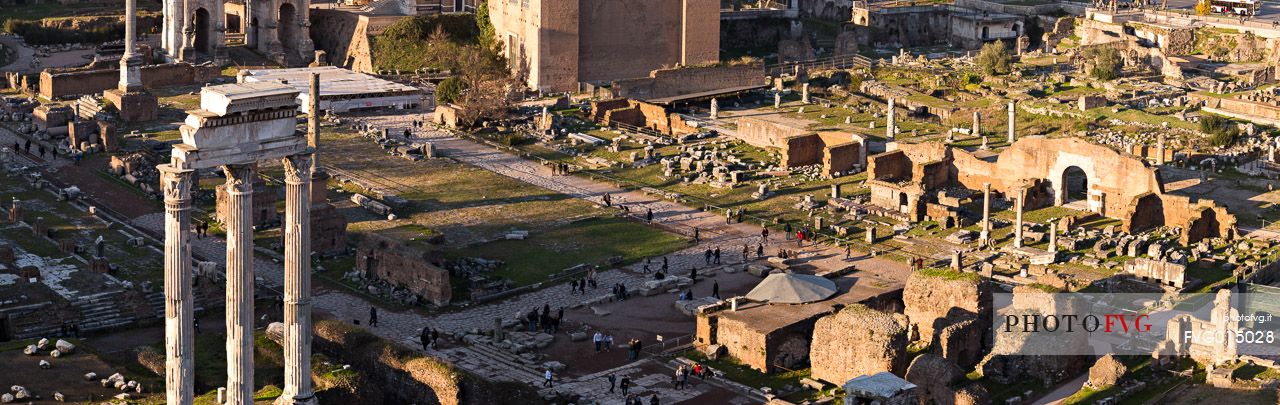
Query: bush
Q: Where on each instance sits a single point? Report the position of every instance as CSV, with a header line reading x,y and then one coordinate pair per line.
x,y
450,90
1105,62
1222,132
994,59
35,34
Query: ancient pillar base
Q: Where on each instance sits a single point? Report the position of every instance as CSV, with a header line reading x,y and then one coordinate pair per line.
x,y
294,400
134,106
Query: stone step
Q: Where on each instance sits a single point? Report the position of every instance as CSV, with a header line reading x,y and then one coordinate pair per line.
x,y
490,356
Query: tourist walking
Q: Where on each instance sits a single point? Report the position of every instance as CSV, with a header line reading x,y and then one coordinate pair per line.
x,y
675,378
715,289
848,251
728,216
653,400
426,337
547,377
760,251
373,316
608,342
598,338
746,253
648,216
786,230
612,381
707,255
716,255
624,385
764,233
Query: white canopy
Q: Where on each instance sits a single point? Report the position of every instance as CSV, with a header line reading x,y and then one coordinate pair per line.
x,y
791,288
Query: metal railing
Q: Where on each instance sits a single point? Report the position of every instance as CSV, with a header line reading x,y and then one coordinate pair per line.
x,y
832,62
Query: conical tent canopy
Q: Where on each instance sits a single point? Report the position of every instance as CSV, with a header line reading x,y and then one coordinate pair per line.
x,y
791,288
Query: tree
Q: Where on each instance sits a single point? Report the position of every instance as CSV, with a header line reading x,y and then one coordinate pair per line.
x,y
1104,62
487,86
487,38
449,90
994,59
1203,7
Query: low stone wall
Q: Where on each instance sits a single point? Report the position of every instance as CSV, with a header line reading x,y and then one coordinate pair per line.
x,y
689,80
61,84
409,377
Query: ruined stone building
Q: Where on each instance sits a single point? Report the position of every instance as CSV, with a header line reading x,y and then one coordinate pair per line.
x,y
556,44
922,25
950,312
195,30
769,336
1059,171
1223,321
836,152
385,259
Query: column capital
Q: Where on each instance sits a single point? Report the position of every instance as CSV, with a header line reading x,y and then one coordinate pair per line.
x,y
298,168
176,185
239,178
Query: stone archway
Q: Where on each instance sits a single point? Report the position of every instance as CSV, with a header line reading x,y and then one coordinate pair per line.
x,y
202,31
287,29
1074,188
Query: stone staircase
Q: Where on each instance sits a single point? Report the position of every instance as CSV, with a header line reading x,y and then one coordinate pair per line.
x,y
101,311
495,364
98,311
156,300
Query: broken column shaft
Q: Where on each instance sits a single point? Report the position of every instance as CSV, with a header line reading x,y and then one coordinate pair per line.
x,y
1017,225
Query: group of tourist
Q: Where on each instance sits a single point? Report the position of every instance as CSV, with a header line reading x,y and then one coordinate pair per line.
x,y
544,321
580,285
603,341
430,338
619,292
731,214
712,256
645,269
559,169
202,229
624,385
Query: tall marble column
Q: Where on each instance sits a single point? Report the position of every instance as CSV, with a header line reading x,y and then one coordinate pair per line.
x,y
1013,121
890,128
1017,223
239,227
250,24
985,236
977,123
297,281
179,341
130,62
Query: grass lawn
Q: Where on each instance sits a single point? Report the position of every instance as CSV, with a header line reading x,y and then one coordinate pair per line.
x,y
591,240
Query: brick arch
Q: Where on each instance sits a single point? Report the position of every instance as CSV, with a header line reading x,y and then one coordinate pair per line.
x,y
1058,175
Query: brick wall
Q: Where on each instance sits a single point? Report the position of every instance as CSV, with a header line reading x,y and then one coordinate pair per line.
x,y
386,259
55,85
765,134
688,80
802,150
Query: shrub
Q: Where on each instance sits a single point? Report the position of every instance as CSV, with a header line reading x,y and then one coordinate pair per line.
x,y
1222,131
450,90
1105,62
35,34
994,59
